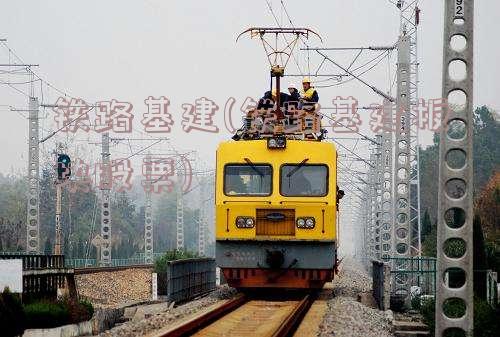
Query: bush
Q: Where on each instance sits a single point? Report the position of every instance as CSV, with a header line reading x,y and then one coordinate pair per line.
x,y
415,302
161,262
45,314
11,314
485,317
89,307
427,309
78,311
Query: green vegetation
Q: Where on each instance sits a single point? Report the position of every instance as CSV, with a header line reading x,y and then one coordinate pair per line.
x,y
486,192
486,239
485,318
44,314
486,160
16,317
161,262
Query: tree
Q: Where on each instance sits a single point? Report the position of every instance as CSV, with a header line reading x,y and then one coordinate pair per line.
x,y
480,262
430,242
12,213
426,225
486,146
487,206
47,247
165,231
486,159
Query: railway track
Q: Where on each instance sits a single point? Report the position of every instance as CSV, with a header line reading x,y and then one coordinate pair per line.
x,y
243,316
93,270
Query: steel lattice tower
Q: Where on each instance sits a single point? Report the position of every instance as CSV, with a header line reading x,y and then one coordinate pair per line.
x,y
409,22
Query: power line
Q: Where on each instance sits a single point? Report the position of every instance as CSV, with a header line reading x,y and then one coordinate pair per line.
x,y
286,40
357,76
348,128
354,153
301,38
11,51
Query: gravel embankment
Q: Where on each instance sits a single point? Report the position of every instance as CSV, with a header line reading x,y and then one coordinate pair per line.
x,y
346,316
168,317
110,289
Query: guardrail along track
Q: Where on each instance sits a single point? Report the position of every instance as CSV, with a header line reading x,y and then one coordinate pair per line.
x,y
244,317
92,270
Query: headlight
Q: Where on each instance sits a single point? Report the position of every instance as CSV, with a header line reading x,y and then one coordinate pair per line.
x,y
240,222
306,222
278,142
245,222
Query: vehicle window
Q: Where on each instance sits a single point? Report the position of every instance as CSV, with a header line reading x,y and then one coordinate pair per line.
x,y
304,180
248,180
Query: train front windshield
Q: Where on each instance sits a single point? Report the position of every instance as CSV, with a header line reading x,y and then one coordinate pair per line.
x,y
248,180
304,180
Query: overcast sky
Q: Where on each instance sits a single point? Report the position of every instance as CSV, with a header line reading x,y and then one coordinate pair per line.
x,y
184,50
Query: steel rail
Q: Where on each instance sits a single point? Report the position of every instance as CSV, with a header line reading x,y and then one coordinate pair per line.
x,y
295,317
197,323
286,328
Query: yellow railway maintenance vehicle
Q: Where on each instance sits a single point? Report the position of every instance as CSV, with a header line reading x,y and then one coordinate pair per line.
x,y
276,189
276,212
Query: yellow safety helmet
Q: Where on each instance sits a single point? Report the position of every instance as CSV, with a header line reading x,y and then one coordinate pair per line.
x,y
306,80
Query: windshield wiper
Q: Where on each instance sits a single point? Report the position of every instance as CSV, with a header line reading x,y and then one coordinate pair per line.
x,y
292,172
254,167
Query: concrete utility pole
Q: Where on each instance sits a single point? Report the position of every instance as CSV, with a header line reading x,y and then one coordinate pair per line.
x,y
202,220
378,196
33,217
105,179
455,196
387,181
148,221
402,231
179,209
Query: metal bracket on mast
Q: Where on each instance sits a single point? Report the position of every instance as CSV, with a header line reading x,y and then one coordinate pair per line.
x,y
278,56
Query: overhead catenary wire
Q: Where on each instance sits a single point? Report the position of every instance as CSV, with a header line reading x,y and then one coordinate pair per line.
x,y
357,76
349,128
301,38
47,83
269,5
346,148
44,84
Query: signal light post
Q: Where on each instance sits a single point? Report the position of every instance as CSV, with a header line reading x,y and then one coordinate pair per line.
x,y
63,173
57,244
